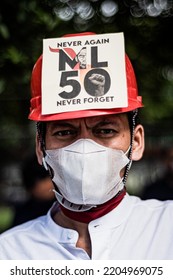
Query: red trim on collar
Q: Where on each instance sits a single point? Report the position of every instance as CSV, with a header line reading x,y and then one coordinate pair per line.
x,y
95,212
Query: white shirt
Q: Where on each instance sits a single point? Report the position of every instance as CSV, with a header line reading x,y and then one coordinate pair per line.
x,y
135,229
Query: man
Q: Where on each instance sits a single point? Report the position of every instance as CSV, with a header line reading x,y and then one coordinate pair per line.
x,y
81,58
88,154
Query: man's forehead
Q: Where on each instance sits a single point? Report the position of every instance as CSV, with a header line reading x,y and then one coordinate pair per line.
x,y
115,118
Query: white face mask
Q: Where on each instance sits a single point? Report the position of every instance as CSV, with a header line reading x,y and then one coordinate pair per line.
x,y
86,173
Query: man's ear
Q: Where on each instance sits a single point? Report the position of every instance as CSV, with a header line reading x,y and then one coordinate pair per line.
x,y
138,143
38,149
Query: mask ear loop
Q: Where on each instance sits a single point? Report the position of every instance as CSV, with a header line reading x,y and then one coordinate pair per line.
x,y
135,112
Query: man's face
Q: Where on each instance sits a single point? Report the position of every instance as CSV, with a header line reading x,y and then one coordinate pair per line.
x,y
111,131
82,57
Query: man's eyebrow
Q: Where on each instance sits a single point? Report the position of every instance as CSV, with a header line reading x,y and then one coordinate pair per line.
x,y
106,122
62,124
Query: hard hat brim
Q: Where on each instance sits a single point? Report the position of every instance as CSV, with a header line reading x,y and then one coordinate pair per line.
x,y
36,114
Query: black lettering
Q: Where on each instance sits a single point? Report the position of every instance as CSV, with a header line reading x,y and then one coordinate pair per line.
x,y
94,59
63,59
67,81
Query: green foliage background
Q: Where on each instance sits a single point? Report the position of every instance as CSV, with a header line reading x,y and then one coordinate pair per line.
x,y
23,25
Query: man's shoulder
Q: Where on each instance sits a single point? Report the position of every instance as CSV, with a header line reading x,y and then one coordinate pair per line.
x,y
152,205
17,242
28,227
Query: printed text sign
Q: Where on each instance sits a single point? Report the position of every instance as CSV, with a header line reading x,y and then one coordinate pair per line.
x,y
83,72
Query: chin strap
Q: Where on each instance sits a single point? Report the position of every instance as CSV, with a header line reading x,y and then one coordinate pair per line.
x,y
95,212
133,124
69,205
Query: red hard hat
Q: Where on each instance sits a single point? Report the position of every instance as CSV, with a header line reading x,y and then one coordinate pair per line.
x,y
134,101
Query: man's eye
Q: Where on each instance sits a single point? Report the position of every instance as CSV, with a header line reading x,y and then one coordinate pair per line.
x,y
64,133
105,131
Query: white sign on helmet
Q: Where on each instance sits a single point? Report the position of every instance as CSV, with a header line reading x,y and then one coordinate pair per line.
x,y
83,72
